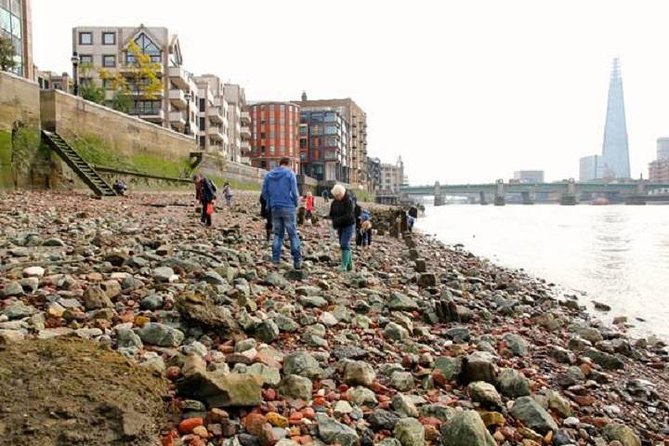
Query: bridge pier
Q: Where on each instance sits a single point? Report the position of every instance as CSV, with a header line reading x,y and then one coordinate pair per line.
x,y
439,197
527,198
569,198
482,198
499,194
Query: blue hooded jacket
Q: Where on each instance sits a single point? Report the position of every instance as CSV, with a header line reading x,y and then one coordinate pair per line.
x,y
280,189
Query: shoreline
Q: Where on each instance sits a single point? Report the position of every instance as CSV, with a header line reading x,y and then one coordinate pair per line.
x,y
386,354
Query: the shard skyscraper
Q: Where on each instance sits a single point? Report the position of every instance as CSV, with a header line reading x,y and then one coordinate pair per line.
x,y
615,151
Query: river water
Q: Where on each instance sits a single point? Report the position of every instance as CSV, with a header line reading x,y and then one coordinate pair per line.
x,y
618,255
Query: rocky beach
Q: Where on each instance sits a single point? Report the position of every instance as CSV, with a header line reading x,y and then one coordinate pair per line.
x,y
125,322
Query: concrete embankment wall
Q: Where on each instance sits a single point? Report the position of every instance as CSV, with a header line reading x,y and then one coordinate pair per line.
x,y
19,110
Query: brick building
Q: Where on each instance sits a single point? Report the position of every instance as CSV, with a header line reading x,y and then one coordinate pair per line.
x,y
274,134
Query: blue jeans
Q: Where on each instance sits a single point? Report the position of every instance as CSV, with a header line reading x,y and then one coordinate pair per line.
x,y
283,220
345,234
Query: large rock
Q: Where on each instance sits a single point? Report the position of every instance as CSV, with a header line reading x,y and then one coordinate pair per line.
x,y
333,432
200,310
479,366
517,344
164,274
95,298
410,432
13,288
19,310
162,335
269,375
449,367
466,429
267,331
295,386
303,364
382,419
533,415
359,373
402,381
219,389
622,433
484,393
512,383
401,302
603,359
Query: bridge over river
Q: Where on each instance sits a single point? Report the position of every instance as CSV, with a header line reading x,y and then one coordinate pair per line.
x,y
567,192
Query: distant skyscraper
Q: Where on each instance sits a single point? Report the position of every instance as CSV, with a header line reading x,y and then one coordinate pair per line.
x,y
615,151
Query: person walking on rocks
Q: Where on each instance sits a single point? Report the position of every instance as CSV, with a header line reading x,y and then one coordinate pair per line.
x,y
205,193
280,192
227,194
309,207
342,215
266,213
364,229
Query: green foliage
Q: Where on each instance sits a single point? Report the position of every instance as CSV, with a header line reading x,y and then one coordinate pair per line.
x,y
93,93
7,54
5,159
122,101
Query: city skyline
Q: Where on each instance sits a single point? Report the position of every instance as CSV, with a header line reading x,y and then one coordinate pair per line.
x,y
517,94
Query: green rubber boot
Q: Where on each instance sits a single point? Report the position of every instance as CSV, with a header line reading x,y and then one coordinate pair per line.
x,y
348,260
344,260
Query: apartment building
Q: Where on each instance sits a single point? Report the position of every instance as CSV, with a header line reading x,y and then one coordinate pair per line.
x,y
16,25
356,118
324,152
100,47
213,111
392,177
274,134
373,173
239,130
49,80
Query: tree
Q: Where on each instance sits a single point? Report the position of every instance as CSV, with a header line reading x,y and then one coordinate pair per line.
x,y
89,90
7,54
141,80
142,75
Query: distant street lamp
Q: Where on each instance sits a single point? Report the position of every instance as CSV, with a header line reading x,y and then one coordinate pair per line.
x,y
75,75
187,128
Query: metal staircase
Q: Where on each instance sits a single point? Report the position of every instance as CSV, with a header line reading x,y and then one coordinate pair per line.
x,y
87,174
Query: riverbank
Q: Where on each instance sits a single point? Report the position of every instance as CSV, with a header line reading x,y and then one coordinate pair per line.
x,y
422,344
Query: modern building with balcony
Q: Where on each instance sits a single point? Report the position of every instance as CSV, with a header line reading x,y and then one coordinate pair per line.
x,y
274,134
213,111
356,118
324,152
106,48
238,118
392,177
16,25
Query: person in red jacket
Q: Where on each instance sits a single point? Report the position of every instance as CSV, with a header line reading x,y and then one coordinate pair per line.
x,y
309,206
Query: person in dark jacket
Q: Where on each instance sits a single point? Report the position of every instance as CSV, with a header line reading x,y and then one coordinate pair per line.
x,y
266,213
205,193
342,214
280,192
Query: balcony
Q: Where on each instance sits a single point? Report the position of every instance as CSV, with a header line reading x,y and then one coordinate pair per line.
x,y
214,115
127,68
246,117
177,98
215,134
245,132
178,119
151,115
245,145
180,77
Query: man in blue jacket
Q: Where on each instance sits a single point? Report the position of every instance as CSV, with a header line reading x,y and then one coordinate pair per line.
x,y
279,190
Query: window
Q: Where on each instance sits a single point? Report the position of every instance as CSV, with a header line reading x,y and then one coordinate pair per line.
x,y
202,123
202,141
146,46
85,59
109,38
108,61
262,135
85,38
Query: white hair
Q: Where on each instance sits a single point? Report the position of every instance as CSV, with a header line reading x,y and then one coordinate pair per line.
x,y
338,191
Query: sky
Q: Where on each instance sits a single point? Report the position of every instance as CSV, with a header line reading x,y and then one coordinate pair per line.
x,y
465,91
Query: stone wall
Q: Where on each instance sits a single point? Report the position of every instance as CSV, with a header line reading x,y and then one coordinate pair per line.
x,y
19,131
239,175
75,119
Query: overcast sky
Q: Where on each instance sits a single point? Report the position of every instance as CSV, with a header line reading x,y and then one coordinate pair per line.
x,y
465,91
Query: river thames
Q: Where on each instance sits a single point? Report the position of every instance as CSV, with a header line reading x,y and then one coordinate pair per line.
x,y
617,255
